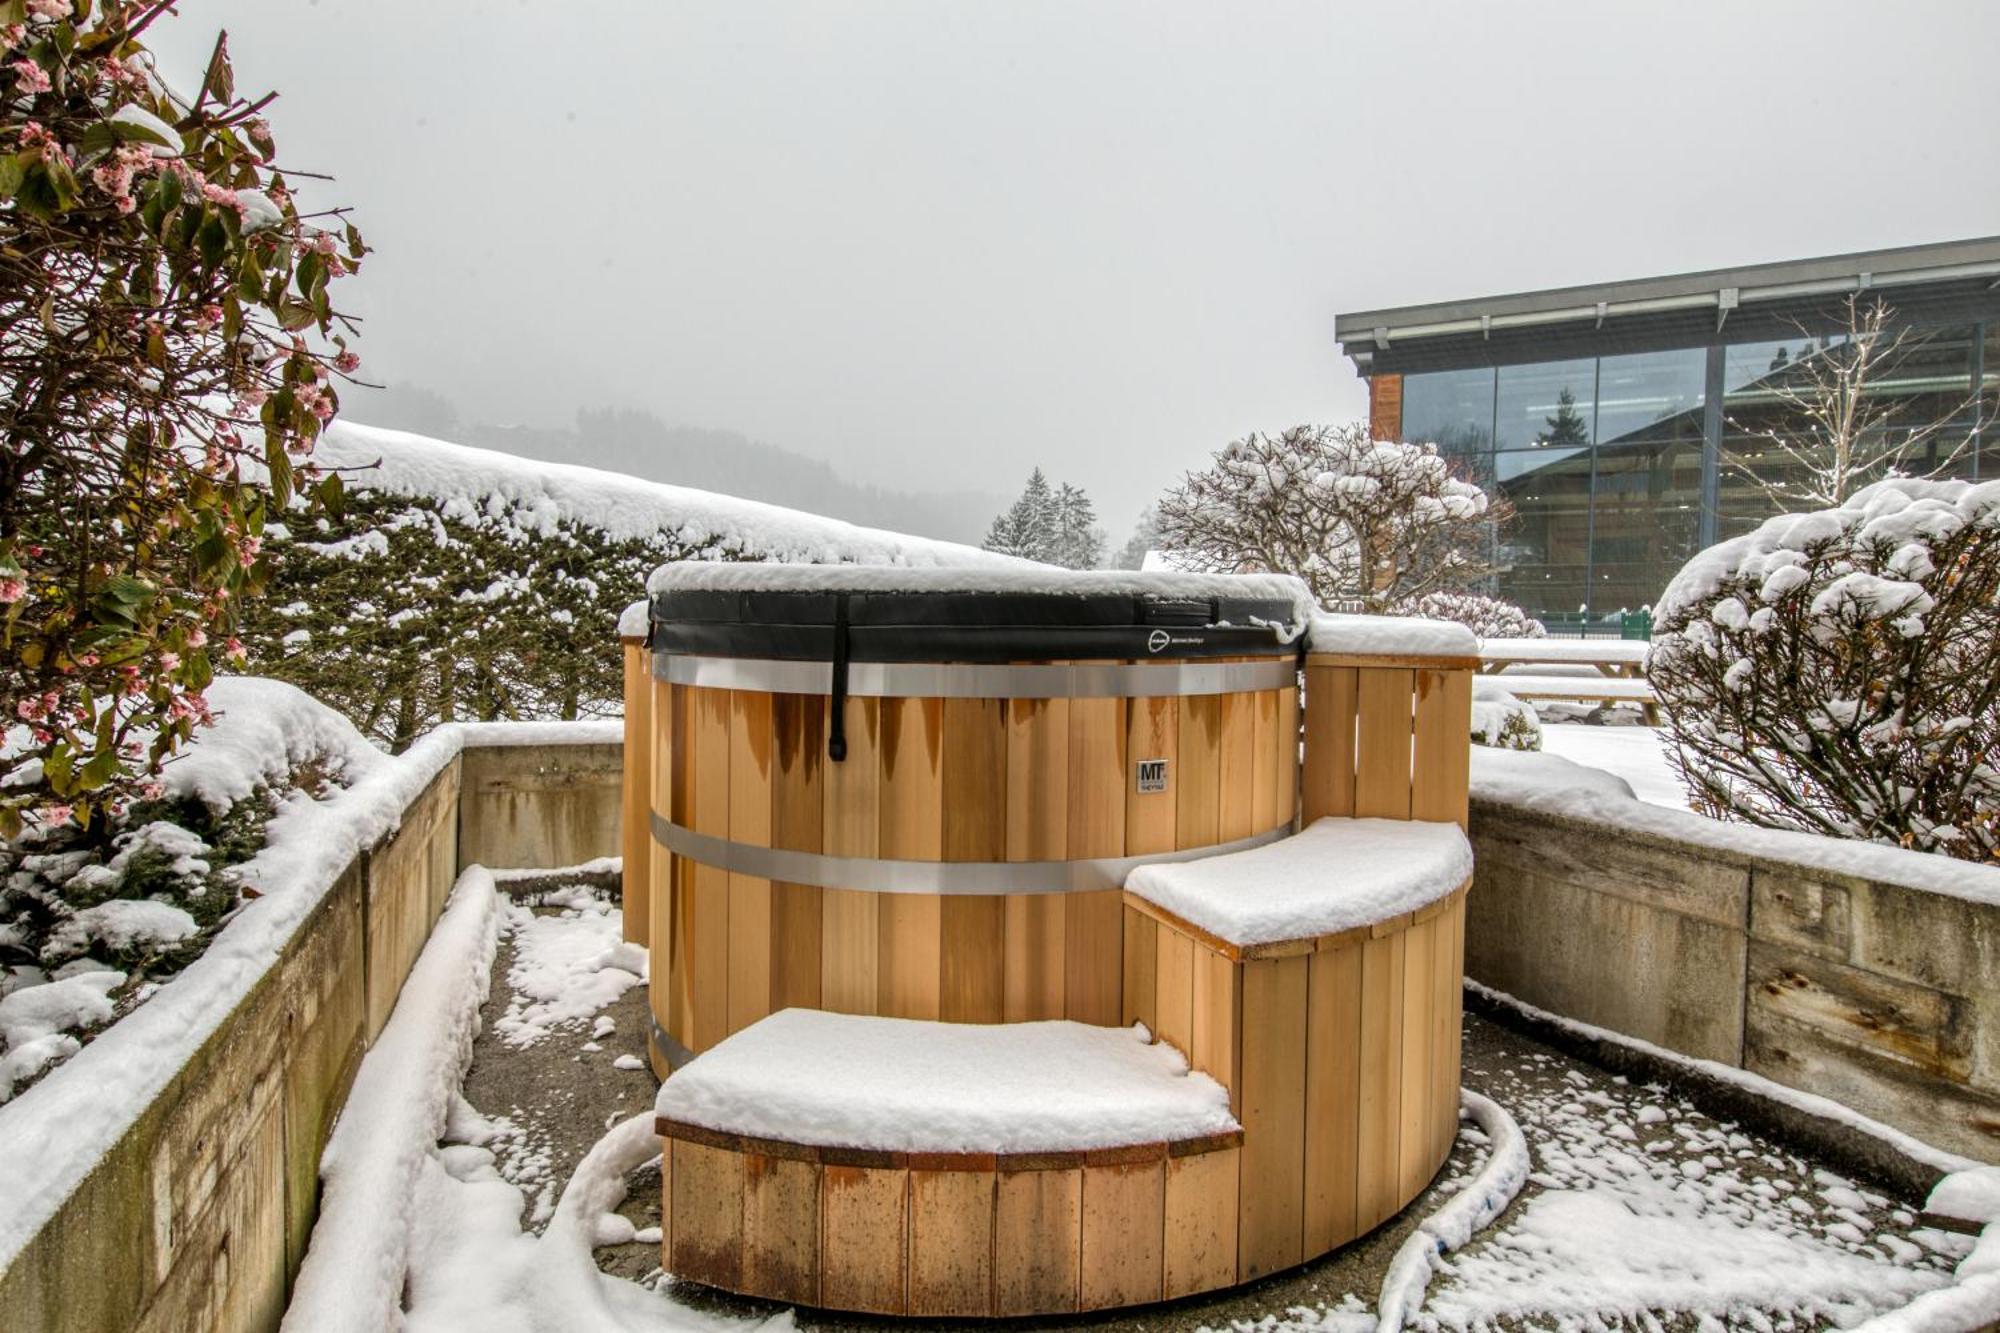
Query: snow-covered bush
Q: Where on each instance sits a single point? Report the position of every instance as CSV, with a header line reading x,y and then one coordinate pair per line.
x,y
1838,671
1488,617
405,611
1368,524
1501,721
86,922
168,337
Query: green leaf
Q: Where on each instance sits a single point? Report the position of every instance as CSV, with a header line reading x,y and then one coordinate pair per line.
x,y
11,173
99,769
108,134
332,493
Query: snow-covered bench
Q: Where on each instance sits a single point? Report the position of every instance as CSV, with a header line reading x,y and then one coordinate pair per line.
x,y
1317,979
907,1167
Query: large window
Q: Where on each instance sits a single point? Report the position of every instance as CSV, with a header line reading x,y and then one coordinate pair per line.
x,y
1601,458
1646,490
1923,380
1452,409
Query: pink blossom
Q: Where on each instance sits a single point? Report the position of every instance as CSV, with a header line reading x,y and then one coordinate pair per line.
x,y
49,9
324,243
168,661
28,709
250,400
13,590
153,791
87,660
56,815
12,36
347,363
234,649
217,194
29,77
197,637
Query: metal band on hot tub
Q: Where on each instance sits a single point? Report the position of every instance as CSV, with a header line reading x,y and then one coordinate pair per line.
x,y
938,680
880,875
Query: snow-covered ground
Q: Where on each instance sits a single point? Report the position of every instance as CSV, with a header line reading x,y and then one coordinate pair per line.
x,y
1635,1209
1642,1209
1636,754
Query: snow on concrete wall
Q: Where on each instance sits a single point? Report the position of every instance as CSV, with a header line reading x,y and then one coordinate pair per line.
x,y
1858,979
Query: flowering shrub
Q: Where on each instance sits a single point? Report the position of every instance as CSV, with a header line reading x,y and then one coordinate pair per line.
x,y
169,356
1488,617
1833,671
1368,524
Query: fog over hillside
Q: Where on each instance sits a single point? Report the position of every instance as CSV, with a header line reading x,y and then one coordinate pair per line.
x,y
726,461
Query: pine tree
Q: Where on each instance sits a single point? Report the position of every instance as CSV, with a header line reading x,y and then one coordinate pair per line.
x,y
1567,426
1078,542
1028,528
1145,537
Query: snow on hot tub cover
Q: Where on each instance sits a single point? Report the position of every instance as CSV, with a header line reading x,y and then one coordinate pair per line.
x,y
1335,875
724,576
905,1085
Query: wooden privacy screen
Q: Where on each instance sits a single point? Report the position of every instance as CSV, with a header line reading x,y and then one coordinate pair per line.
x,y
1387,738
931,780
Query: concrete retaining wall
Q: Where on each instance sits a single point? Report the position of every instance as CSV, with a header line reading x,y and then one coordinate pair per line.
x,y
198,1217
1882,997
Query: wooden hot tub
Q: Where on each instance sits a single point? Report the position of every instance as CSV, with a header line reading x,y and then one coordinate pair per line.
x,y
916,793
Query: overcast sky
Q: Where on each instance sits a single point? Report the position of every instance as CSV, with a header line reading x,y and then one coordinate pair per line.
x,y
939,243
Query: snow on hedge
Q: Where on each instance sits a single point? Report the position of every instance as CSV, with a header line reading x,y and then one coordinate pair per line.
x,y
538,495
904,1085
1337,874
265,730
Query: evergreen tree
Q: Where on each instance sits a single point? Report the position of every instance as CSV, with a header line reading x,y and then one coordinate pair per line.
x,y
1567,426
1145,537
1028,528
1079,544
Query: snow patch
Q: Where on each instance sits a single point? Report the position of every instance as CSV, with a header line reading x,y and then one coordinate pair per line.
x,y
1336,874
903,1085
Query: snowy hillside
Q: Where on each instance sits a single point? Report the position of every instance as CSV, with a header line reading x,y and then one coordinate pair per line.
x,y
539,495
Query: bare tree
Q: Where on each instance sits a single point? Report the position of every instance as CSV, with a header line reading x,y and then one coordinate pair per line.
x,y
1834,431
1362,521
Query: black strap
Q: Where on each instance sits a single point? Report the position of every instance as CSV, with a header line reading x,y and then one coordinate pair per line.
x,y
836,735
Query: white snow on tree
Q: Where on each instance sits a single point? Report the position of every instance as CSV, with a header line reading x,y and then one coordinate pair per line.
x,y
1488,617
1834,671
1055,526
1368,524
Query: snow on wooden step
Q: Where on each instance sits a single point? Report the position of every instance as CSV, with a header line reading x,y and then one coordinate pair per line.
x,y
904,1085
1336,875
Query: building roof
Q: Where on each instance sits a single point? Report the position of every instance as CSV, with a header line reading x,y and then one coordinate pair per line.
x,y
1943,282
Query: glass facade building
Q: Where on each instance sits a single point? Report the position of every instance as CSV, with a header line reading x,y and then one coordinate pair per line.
x,y
1621,455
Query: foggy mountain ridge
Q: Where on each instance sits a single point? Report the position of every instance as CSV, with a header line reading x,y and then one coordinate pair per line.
x,y
637,443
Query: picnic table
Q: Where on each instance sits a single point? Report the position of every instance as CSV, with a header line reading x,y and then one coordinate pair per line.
x,y
1620,666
